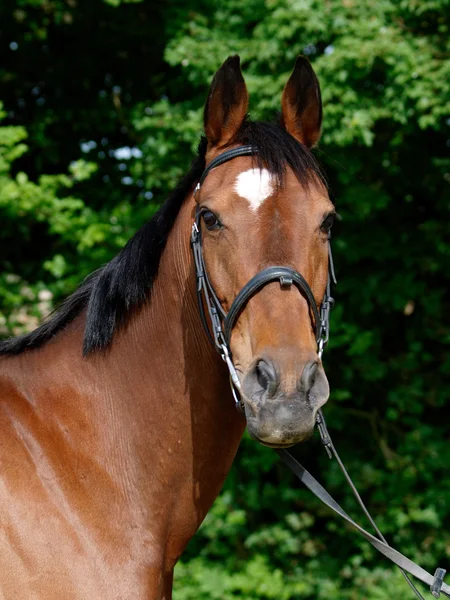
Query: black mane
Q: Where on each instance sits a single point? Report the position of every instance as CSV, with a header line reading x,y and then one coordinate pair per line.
x,y
110,294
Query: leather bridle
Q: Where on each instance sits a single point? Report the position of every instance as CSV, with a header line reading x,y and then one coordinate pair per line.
x,y
222,324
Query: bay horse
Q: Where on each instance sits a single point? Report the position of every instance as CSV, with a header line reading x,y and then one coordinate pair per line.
x,y
117,421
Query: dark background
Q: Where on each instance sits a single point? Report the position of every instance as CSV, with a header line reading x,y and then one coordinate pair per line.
x,y
101,115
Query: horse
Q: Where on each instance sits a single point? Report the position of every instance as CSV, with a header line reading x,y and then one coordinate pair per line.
x,y
117,419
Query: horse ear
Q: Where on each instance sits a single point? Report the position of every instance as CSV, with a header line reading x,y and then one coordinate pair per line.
x,y
227,103
301,104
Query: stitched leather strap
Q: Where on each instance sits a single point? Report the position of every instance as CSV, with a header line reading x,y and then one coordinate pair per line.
x,y
436,583
286,276
225,157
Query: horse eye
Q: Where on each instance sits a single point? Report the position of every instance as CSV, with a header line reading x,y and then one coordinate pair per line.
x,y
210,220
327,223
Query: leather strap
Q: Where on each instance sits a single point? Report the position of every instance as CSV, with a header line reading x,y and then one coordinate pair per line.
x,y
225,157
436,583
286,276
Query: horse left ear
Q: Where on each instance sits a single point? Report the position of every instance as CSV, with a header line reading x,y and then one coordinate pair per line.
x,y
301,104
227,103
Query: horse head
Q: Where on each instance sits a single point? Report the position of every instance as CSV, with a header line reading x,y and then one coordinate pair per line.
x,y
265,209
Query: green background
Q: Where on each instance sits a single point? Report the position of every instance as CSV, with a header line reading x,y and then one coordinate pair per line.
x,y
101,115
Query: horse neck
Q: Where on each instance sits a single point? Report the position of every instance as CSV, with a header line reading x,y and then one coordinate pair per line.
x,y
173,372
165,342
157,404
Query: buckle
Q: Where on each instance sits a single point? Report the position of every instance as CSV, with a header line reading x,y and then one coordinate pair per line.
x,y
238,404
436,586
286,282
323,431
194,233
321,346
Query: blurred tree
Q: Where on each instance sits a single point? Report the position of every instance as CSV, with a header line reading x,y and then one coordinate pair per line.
x,y
122,85
70,77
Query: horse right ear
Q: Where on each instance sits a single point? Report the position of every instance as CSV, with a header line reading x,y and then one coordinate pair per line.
x,y
301,104
227,104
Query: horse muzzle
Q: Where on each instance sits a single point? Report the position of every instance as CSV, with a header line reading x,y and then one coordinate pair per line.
x,y
281,407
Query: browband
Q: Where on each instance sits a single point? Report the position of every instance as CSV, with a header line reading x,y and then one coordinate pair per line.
x,y
225,157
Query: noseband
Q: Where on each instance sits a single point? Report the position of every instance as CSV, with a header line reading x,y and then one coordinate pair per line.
x,y
222,323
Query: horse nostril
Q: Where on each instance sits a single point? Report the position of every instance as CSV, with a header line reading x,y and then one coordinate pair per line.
x,y
266,376
309,375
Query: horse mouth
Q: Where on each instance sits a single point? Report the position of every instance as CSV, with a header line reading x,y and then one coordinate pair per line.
x,y
277,445
281,444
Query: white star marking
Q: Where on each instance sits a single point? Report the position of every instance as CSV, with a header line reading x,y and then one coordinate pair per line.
x,y
255,185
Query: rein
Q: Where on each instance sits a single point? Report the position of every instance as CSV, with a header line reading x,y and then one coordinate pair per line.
x,y
222,324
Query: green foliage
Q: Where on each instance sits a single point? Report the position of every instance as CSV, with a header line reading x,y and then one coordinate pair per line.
x,y
114,121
